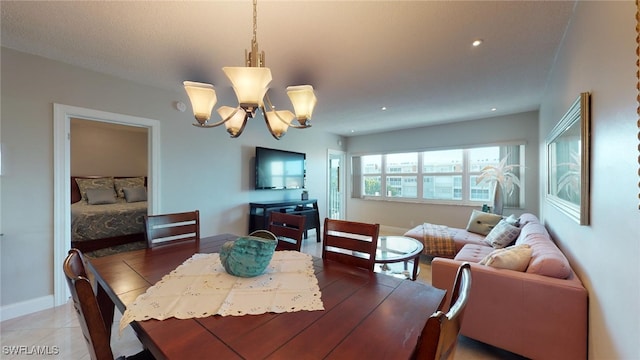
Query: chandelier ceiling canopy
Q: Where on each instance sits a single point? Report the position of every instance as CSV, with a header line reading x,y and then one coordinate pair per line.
x,y
251,84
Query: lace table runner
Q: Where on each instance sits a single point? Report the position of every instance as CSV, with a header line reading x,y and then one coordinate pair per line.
x,y
200,287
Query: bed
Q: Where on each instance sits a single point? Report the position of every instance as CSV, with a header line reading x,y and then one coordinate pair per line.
x,y
107,211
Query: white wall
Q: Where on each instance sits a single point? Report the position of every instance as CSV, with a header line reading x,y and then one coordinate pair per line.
x,y
517,127
200,168
598,55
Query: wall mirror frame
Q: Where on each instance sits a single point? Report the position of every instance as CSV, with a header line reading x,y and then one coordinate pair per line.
x,y
568,155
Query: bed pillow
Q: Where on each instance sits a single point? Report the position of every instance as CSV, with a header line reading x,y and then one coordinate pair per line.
x,y
101,196
135,194
502,235
130,182
514,257
93,183
481,222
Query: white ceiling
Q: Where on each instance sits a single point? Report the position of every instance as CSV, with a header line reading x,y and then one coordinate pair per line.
x,y
414,57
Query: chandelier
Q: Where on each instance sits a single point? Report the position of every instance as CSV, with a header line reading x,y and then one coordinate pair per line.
x,y
250,84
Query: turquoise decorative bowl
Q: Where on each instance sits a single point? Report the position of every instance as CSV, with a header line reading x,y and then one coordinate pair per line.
x,y
248,256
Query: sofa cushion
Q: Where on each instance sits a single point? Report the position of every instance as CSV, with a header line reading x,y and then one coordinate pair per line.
x,y
514,257
481,222
502,235
473,253
512,220
546,258
462,237
528,218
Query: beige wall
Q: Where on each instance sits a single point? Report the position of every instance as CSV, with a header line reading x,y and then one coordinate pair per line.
x,y
99,148
598,55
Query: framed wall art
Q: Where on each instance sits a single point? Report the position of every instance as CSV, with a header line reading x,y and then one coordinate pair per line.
x,y
568,157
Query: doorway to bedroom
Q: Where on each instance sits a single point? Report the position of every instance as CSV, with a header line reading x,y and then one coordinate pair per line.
x,y
63,115
106,220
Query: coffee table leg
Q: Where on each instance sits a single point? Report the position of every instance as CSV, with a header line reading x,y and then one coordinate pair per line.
x,y
416,265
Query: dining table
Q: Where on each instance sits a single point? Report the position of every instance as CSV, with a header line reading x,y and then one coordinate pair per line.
x,y
366,314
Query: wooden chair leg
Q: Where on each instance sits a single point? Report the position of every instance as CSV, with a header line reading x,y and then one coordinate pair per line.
x,y
107,308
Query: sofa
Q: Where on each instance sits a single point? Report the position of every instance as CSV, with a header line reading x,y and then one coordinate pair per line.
x,y
538,309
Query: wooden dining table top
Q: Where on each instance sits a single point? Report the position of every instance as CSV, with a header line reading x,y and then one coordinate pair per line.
x,y
367,315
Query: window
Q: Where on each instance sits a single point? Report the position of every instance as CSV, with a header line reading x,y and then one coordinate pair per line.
x,y
478,159
438,176
442,174
403,182
371,171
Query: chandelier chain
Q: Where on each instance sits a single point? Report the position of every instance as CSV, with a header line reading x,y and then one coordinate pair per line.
x,y
255,20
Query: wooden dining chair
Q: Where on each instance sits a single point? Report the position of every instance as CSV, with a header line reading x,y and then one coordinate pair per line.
x,y
439,337
289,229
352,243
96,331
165,229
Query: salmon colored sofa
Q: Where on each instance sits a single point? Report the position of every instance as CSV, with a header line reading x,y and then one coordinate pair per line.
x,y
539,313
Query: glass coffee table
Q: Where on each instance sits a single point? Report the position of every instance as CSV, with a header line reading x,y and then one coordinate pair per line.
x,y
393,250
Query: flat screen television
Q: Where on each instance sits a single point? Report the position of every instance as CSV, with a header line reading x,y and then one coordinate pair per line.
x,y
279,169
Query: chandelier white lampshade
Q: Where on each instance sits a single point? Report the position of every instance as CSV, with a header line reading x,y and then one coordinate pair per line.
x,y
304,100
250,84
236,121
203,98
278,122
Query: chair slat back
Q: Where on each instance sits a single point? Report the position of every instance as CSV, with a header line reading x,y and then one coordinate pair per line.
x,y
165,229
289,228
439,337
352,243
94,329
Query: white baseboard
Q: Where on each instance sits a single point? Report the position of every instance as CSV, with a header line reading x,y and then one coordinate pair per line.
x,y
26,307
390,230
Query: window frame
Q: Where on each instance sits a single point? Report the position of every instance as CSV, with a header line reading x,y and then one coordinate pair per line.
x,y
466,175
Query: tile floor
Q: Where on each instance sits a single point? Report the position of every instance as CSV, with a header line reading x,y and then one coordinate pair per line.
x,y
56,333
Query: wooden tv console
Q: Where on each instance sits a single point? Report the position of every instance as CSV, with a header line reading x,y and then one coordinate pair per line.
x,y
259,213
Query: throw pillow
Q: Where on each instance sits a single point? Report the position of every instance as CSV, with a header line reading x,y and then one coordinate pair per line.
x,y
514,257
481,222
93,183
513,220
131,182
101,196
502,234
135,194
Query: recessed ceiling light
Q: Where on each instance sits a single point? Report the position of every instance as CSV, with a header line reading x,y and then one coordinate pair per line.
x,y
494,109
477,42
383,108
